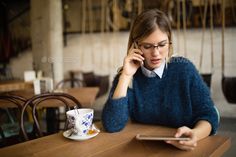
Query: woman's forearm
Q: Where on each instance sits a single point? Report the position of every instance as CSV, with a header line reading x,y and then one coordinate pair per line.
x,y
202,129
122,86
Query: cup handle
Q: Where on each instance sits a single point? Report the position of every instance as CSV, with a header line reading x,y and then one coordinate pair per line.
x,y
93,127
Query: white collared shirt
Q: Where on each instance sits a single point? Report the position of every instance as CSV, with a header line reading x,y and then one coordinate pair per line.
x,y
157,71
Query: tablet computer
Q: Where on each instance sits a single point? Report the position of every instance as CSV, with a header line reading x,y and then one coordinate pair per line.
x,y
160,138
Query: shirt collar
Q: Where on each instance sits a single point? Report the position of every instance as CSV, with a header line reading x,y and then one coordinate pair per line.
x,y
157,71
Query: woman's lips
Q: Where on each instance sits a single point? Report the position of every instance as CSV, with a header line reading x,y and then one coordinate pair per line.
x,y
155,61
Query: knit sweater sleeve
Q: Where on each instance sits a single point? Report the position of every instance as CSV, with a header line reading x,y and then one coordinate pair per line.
x,y
202,104
115,113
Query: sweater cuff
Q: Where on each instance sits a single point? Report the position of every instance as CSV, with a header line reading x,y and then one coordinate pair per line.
x,y
115,114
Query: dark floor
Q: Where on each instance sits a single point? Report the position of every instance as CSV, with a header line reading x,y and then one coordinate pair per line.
x,y
228,128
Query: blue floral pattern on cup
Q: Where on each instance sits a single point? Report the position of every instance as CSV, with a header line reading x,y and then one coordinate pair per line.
x,y
80,123
87,122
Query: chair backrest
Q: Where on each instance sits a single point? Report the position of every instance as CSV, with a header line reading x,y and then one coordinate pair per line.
x,y
69,83
89,79
13,99
103,85
38,99
15,102
229,88
92,80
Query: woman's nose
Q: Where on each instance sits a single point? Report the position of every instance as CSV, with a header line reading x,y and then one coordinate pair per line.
x,y
155,51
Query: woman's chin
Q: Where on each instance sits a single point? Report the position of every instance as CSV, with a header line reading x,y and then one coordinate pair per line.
x,y
154,66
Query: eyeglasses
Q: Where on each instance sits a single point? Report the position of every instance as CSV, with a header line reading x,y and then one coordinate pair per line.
x,y
148,48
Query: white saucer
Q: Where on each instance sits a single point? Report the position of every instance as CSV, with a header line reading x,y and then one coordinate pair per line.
x,y
66,134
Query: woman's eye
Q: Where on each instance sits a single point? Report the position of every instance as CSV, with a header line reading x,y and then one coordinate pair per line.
x,y
147,46
162,45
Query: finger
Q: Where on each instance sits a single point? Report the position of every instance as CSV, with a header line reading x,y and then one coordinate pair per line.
x,y
132,46
177,145
131,55
136,51
139,56
131,49
135,45
191,142
187,132
183,131
134,58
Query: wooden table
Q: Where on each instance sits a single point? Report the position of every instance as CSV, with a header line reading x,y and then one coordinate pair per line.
x,y
7,86
85,95
116,144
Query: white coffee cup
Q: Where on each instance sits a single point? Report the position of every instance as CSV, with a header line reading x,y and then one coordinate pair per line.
x,y
80,120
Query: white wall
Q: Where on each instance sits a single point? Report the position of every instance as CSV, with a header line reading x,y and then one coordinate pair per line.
x,y
23,62
104,53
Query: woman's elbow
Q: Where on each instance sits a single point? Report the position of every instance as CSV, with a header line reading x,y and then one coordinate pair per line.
x,y
112,127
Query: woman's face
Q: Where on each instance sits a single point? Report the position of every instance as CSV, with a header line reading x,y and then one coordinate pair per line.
x,y
155,49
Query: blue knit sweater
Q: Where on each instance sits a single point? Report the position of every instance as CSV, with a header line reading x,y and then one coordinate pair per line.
x,y
179,98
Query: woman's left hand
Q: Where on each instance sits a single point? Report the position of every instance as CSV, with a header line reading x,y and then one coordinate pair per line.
x,y
185,145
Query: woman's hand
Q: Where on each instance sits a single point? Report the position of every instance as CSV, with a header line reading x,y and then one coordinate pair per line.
x,y
185,145
132,61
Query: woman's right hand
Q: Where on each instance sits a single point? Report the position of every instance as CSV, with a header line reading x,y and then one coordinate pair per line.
x,y
132,61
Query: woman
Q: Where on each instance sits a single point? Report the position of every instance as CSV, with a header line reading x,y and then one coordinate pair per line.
x,y
155,88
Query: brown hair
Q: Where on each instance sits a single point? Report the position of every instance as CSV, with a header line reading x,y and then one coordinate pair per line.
x,y
146,23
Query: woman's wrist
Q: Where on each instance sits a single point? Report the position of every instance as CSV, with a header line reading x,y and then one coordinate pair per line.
x,y
195,132
202,129
125,78
122,86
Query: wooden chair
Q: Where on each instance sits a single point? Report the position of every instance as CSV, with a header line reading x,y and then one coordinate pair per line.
x,y
35,101
69,83
92,80
229,88
10,131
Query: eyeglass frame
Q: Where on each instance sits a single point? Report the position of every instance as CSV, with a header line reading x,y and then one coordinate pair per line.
x,y
152,46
